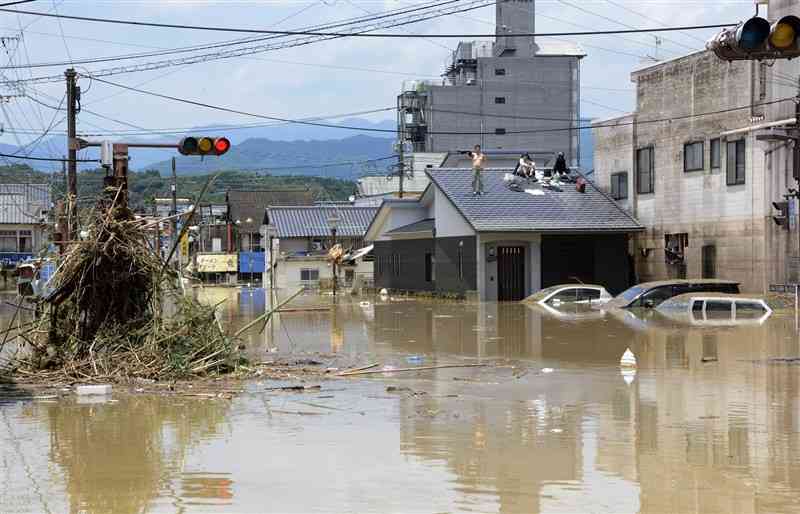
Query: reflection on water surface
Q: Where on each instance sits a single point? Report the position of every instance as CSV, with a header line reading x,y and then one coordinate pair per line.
x,y
706,425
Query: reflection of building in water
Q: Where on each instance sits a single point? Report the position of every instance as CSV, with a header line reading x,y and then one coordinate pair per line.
x,y
119,457
703,428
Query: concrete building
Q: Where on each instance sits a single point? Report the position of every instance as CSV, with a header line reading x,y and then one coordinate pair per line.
x,y
303,236
513,91
23,217
504,245
688,165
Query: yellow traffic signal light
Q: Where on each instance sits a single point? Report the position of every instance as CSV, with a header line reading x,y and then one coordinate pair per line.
x,y
204,145
757,39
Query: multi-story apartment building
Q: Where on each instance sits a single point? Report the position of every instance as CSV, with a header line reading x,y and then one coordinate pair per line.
x,y
689,164
511,92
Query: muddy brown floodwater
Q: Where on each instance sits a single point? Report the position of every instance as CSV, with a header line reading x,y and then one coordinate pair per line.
x,y
706,424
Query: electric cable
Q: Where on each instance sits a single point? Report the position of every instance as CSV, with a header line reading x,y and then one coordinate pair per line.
x,y
345,34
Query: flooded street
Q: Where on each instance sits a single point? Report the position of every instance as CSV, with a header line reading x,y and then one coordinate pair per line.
x,y
705,424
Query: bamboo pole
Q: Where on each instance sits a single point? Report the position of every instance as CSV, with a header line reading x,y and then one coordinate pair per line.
x,y
418,368
266,316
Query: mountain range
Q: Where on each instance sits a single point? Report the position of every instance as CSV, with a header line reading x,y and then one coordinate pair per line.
x,y
277,149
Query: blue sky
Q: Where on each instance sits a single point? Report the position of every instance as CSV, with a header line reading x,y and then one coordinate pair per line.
x,y
315,79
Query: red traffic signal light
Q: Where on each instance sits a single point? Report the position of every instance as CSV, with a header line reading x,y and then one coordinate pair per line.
x,y
758,39
204,145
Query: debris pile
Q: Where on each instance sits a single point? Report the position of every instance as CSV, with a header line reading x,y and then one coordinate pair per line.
x,y
113,312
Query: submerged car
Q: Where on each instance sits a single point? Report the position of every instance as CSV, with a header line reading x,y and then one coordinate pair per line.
x,y
651,294
717,309
570,293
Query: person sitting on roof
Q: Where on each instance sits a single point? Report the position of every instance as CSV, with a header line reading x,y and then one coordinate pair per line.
x,y
560,168
526,168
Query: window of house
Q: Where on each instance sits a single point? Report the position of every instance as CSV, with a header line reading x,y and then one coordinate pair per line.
x,y
8,241
499,99
499,71
499,131
309,274
619,185
715,154
645,174
25,241
762,79
693,156
735,155
428,267
709,253
349,276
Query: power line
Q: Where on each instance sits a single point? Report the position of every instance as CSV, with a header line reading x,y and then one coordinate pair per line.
x,y
171,51
271,46
29,158
9,4
371,129
372,35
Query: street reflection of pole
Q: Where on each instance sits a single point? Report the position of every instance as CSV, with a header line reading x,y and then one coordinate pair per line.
x,y
337,335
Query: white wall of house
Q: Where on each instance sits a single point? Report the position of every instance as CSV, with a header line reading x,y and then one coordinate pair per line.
x,y
487,271
288,271
399,216
449,222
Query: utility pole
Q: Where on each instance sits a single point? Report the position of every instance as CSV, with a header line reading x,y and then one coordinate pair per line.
x,y
796,168
174,211
73,98
335,277
402,166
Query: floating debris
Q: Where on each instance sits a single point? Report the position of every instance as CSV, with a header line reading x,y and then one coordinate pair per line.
x,y
115,310
628,359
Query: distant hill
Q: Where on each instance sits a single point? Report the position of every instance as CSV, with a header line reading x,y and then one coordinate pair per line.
x,y
143,158
291,158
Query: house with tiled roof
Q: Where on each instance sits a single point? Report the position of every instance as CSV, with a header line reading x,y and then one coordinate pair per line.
x,y
505,244
23,217
302,235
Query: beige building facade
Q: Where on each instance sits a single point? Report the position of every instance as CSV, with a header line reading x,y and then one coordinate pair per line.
x,y
689,166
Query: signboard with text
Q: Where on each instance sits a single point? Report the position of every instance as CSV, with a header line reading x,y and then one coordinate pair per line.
x,y
217,263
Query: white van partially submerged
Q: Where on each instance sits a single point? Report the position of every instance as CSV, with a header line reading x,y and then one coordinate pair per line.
x,y
717,309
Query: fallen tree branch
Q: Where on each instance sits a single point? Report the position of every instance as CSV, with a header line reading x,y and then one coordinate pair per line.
x,y
418,368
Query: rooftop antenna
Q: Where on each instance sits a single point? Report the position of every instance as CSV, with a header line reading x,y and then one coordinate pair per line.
x,y
659,41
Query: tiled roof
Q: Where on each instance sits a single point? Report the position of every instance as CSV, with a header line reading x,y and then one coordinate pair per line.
x,y
23,203
420,226
501,209
313,221
251,205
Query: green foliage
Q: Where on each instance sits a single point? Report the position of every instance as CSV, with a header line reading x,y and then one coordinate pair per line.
x,y
146,185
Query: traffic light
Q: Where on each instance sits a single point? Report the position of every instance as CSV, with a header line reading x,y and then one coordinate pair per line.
x,y
757,39
782,218
204,146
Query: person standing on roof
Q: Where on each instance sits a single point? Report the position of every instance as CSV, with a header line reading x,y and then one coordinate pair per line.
x,y
478,160
560,168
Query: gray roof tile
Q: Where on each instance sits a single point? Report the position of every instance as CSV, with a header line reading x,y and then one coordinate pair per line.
x,y
312,221
501,209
